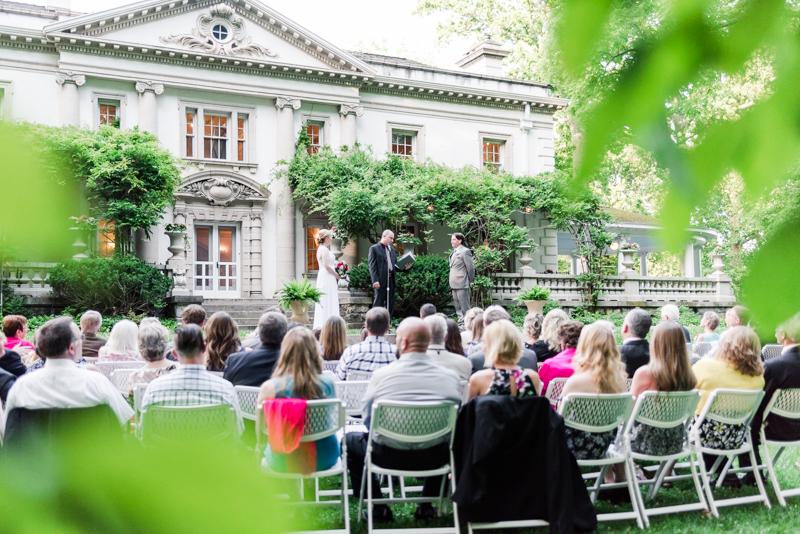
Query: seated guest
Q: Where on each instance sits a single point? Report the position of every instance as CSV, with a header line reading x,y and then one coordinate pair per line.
x,y
426,310
333,338
560,365
476,334
414,377
736,316
153,339
670,312
190,384
782,372
438,352
298,375
90,325
6,381
252,340
372,353
550,326
122,344
10,361
476,358
668,369
503,351
192,314
635,350
254,367
466,335
61,383
222,339
15,328
532,330
452,342
709,324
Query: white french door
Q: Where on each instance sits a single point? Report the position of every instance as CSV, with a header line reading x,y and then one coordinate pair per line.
x,y
217,264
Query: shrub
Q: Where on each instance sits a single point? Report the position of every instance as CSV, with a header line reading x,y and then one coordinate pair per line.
x,y
301,290
359,276
428,280
113,286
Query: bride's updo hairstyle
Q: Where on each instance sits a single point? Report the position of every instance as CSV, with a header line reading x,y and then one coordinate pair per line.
x,y
323,235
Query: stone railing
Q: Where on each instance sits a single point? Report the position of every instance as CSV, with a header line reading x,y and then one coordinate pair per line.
x,y
620,291
28,278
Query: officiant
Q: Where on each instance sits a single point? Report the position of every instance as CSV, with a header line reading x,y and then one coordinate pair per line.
x,y
382,267
462,274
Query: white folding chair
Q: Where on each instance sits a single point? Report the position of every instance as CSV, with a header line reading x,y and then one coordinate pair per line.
x,y
628,384
730,407
109,367
784,403
331,375
359,375
138,395
702,348
598,414
324,418
664,410
771,351
411,423
247,396
330,365
90,359
171,425
351,392
463,388
119,378
554,389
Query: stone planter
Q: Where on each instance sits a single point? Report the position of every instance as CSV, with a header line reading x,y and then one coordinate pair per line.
x,y
80,246
535,306
177,243
525,259
628,261
300,311
717,265
336,248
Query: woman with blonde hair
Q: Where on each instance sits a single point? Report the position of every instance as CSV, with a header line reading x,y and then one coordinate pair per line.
x,y
298,375
333,338
466,335
503,350
477,332
122,344
327,280
222,340
552,322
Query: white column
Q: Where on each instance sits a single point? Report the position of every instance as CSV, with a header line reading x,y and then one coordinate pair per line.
x,y
285,226
688,261
643,263
526,125
70,109
148,109
349,131
255,251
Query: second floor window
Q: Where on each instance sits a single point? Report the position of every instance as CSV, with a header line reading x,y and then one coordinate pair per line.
x,y
403,144
492,156
314,132
215,137
109,113
241,136
190,118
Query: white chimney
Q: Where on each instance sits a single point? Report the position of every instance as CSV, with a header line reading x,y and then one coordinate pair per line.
x,y
485,58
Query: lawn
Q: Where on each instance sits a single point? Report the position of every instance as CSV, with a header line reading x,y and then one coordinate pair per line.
x,y
739,519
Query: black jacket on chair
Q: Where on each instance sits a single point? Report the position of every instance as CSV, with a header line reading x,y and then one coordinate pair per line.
x,y
782,372
634,355
512,463
252,367
12,362
48,427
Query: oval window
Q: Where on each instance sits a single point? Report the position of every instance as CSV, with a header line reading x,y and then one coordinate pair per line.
x,y
219,32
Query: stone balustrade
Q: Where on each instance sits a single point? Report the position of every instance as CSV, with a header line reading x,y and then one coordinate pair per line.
x,y
28,278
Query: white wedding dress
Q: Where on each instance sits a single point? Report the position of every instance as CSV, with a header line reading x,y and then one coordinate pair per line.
x,y
327,283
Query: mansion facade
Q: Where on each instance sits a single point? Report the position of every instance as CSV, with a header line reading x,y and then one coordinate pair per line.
x,y
228,85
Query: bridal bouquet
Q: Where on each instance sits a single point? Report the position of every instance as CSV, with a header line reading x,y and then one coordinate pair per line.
x,y
341,269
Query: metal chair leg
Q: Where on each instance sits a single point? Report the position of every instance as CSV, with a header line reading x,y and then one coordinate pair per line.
x,y
707,484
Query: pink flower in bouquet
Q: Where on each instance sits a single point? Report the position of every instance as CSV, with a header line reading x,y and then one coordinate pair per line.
x,y
341,269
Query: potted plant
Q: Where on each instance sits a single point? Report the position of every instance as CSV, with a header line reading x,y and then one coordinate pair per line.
x,y
298,296
534,298
628,250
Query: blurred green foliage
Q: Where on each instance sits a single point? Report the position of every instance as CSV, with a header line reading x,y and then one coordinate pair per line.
x,y
359,276
426,281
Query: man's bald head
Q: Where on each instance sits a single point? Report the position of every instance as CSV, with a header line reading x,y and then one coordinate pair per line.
x,y
413,335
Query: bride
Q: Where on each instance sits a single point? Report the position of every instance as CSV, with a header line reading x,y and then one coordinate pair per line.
x,y
327,280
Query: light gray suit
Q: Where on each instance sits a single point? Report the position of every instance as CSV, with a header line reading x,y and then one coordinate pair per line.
x,y
462,274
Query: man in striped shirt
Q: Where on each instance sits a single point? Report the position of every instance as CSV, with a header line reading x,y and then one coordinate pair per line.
x,y
191,384
372,353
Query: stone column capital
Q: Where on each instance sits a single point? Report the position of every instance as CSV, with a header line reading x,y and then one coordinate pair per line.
x,y
149,85
283,101
63,77
345,109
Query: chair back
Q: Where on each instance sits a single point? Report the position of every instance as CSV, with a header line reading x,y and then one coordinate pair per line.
x,y
90,359
554,389
331,375
731,406
771,351
596,413
413,422
351,392
211,423
628,384
324,417
330,365
463,388
119,378
785,403
702,348
247,396
359,375
689,348
664,409
109,367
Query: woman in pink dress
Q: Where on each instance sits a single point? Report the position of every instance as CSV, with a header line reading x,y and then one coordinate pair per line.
x,y
15,327
560,365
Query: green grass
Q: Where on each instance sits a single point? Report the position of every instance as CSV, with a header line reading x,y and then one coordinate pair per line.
x,y
739,519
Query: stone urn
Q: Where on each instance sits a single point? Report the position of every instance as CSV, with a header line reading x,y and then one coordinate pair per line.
x,y
628,261
535,306
336,248
80,246
717,264
177,243
300,311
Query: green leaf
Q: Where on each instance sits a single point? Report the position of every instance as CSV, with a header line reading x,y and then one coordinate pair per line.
x,y
579,30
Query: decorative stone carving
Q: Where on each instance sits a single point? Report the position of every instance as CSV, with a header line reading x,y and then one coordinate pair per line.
x,y
150,85
220,31
221,191
357,110
283,101
256,216
63,77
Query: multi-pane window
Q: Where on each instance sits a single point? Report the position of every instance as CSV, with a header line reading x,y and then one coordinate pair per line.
x,y
215,136
403,144
109,113
314,131
492,157
190,117
106,241
311,249
241,134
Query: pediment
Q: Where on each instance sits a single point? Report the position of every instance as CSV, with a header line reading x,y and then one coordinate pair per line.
x,y
225,28
220,188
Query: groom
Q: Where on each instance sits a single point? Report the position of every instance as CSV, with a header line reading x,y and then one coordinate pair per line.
x,y
462,274
382,266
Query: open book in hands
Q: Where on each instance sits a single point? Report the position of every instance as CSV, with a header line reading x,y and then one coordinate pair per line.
x,y
404,260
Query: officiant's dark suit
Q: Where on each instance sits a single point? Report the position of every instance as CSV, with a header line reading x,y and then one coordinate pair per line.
x,y
382,267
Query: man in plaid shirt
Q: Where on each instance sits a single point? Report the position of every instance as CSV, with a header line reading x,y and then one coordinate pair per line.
x,y
191,384
372,353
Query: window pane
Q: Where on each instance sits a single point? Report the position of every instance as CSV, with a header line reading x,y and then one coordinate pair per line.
x,y
189,123
240,151
226,245
311,247
189,152
106,240
241,127
202,243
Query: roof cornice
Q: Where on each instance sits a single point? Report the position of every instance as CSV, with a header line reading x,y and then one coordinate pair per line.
x,y
25,38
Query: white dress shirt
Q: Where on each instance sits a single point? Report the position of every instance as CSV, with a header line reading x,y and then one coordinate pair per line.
x,y
62,384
